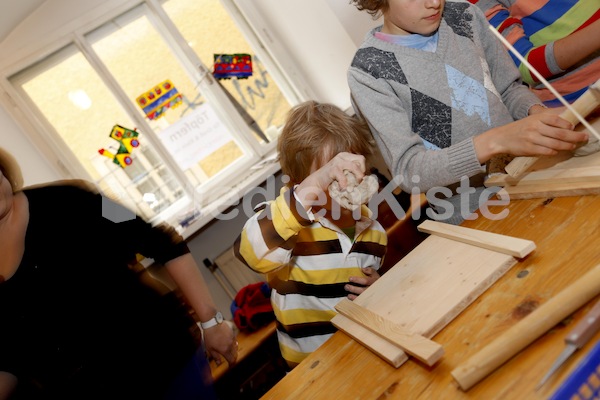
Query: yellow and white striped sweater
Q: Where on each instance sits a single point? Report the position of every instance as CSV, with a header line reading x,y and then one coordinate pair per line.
x,y
307,264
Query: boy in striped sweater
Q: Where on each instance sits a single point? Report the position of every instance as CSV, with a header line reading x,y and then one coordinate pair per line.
x,y
314,252
559,38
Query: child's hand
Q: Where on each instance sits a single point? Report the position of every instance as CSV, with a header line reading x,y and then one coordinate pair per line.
x,y
317,183
541,134
364,282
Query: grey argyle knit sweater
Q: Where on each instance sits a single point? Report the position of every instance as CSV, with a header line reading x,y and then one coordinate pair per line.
x,y
445,98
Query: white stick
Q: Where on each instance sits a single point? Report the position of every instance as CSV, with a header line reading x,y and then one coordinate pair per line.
x,y
545,82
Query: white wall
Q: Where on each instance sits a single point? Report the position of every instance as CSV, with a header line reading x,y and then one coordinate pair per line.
x,y
35,168
319,37
356,23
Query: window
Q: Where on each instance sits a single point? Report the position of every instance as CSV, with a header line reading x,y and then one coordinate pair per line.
x,y
132,103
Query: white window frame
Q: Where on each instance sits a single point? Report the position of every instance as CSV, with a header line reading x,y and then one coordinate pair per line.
x,y
48,142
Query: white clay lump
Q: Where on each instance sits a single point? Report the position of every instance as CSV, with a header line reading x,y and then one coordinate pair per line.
x,y
354,194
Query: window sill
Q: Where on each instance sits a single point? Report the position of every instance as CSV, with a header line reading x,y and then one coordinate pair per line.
x,y
269,166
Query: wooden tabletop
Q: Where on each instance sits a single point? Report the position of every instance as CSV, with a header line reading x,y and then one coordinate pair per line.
x,y
566,231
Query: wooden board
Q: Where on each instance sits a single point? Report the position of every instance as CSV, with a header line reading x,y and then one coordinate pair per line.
x,y
414,344
425,290
504,244
556,176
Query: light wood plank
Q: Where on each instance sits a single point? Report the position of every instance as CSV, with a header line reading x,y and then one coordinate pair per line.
x,y
414,344
385,349
520,192
504,244
573,176
548,177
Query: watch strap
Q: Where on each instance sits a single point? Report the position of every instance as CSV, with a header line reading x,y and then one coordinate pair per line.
x,y
217,319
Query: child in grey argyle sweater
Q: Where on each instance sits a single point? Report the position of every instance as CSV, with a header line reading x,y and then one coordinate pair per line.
x,y
442,96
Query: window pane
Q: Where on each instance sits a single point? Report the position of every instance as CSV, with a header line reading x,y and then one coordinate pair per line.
x,y
149,73
82,111
210,31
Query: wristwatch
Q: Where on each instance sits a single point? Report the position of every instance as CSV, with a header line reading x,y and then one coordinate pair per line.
x,y
216,320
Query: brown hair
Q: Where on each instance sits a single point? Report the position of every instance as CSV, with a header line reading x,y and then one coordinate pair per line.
x,y
373,7
11,170
316,132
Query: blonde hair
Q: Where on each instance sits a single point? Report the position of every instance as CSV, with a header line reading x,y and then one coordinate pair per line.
x,y
11,170
314,133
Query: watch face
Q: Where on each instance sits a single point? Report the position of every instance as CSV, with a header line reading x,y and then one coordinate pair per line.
x,y
219,317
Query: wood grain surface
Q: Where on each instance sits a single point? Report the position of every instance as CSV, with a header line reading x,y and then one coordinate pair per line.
x,y
516,247
566,231
425,290
414,344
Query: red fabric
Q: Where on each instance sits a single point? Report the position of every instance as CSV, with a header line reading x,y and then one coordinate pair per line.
x,y
537,58
252,307
509,22
592,19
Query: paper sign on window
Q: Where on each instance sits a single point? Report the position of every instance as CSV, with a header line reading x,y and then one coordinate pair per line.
x,y
195,136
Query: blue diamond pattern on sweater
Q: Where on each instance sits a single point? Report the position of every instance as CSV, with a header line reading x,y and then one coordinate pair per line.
x,y
468,95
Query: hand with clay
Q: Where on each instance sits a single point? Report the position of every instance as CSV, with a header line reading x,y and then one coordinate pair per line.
x,y
355,193
312,189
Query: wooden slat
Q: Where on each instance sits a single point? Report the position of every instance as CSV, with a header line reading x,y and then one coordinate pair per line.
x,y
414,344
504,244
549,177
385,349
546,191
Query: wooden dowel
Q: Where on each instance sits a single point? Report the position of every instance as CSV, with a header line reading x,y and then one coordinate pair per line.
x,y
524,332
544,81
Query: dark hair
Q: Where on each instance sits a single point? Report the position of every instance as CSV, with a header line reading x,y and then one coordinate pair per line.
x,y
316,132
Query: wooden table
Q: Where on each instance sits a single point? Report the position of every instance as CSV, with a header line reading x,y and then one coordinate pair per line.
x,y
566,231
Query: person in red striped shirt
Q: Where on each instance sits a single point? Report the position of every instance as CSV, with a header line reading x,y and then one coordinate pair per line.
x,y
559,38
